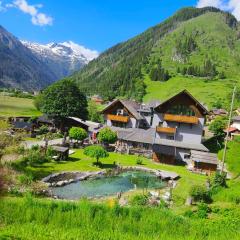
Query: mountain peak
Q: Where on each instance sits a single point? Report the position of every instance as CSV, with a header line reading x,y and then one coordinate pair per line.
x,y
65,49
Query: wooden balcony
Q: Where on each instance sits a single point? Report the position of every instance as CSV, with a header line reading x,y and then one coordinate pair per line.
x,y
168,130
118,118
180,119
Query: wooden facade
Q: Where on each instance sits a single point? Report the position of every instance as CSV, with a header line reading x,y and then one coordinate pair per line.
x,y
112,109
208,167
163,158
186,99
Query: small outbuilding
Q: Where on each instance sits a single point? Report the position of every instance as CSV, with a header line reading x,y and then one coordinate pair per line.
x,y
62,153
204,161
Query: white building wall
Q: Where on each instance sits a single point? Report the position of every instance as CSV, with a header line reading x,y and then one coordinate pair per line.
x,y
236,124
189,133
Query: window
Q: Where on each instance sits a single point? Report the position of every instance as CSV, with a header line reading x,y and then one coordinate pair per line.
x,y
170,137
181,110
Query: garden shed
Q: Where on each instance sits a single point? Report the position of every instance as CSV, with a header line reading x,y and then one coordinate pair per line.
x,y
204,161
62,153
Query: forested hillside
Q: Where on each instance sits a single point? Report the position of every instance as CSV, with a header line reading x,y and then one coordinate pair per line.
x,y
197,49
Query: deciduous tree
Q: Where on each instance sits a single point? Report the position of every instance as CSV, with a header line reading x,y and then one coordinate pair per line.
x,y
96,151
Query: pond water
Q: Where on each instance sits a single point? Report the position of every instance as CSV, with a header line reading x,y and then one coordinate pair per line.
x,y
107,186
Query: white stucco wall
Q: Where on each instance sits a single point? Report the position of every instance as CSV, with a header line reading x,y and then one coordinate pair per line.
x,y
236,124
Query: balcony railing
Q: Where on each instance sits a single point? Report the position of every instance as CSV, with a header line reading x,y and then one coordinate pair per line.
x,y
118,118
166,130
181,119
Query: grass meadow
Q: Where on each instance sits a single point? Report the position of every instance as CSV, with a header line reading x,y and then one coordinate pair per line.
x,y
12,106
43,219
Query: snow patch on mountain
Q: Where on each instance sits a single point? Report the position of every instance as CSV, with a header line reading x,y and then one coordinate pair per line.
x,y
68,49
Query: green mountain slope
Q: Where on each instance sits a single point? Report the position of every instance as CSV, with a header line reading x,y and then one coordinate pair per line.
x,y
197,49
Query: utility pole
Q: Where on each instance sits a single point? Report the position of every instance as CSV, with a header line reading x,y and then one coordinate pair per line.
x,y
229,123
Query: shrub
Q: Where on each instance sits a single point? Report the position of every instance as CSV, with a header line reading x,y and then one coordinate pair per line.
x,y
43,129
219,180
139,200
199,193
77,133
25,179
107,136
35,156
203,210
139,161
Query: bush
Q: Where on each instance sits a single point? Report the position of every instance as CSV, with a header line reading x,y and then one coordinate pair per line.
x,y
77,133
107,136
35,156
199,193
43,129
203,210
25,179
219,180
139,161
139,200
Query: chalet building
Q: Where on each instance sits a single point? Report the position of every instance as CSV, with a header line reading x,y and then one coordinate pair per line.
x,y
236,122
234,129
166,131
217,113
97,99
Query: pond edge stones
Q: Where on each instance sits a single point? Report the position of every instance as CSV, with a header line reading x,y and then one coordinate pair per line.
x,y
67,177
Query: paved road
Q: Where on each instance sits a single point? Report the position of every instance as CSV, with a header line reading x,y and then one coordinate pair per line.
x,y
29,144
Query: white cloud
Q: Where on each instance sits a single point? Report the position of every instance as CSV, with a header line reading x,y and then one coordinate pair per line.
x,y
205,3
232,6
37,18
2,8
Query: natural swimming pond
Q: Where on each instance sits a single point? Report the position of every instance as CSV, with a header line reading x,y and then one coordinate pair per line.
x,y
107,186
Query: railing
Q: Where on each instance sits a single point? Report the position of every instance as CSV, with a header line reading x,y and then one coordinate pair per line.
x,y
166,130
181,119
118,118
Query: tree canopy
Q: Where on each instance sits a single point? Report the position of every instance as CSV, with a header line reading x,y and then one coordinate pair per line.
x,y
106,135
63,99
217,126
93,113
96,151
77,133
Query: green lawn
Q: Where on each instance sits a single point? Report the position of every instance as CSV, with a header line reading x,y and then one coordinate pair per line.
x,y
79,162
233,157
12,106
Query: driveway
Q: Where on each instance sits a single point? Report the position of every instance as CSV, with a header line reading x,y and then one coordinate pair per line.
x,y
29,144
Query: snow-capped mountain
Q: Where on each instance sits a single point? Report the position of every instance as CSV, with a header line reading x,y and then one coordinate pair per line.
x,y
62,58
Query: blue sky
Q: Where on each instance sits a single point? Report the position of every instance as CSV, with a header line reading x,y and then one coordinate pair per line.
x,y
96,24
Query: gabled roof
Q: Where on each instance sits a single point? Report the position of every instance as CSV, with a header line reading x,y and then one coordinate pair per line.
x,y
22,125
204,157
130,105
200,107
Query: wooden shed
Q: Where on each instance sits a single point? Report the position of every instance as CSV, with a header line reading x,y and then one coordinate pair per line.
x,y
61,152
204,161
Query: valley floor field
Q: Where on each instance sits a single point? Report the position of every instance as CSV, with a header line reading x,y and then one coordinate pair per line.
x,y
12,106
